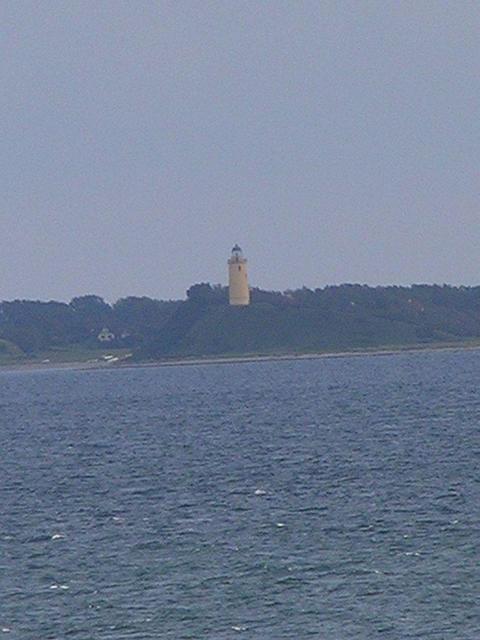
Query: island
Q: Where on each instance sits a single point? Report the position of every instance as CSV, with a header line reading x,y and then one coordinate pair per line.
x,y
328,320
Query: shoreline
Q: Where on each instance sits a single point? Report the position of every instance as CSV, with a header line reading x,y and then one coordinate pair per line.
x,y
212,360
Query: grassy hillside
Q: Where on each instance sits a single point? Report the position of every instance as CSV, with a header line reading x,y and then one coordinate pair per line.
x,y
9,352
332,319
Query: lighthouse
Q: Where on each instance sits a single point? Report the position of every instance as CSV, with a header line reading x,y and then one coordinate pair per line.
x,y
239,293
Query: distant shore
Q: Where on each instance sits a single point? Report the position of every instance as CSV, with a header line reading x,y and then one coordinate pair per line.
x,y
35,365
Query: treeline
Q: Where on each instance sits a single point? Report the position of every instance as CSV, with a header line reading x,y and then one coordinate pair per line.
x,y
36,326
334,317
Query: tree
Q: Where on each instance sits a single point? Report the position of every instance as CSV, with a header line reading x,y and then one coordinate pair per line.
x,y
204,293
92,312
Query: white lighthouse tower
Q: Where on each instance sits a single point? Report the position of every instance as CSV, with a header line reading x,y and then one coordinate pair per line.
x,y
239,293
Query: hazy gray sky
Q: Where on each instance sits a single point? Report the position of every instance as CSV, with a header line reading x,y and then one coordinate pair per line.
x,y
335,141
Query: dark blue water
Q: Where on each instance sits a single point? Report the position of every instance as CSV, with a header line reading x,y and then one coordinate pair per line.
x,y
332,499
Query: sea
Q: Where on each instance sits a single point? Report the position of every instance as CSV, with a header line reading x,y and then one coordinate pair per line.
x,y
331,498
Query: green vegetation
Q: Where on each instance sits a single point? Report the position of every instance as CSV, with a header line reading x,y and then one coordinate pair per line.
x,y
9,352
345,317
